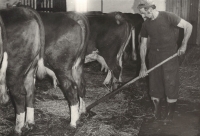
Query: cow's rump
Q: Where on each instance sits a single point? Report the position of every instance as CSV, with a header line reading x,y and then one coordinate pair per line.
x,y
24,43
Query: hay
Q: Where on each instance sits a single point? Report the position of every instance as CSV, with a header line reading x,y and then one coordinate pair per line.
x,y
55,107
5,126
56,91
192,57
190,76
96,128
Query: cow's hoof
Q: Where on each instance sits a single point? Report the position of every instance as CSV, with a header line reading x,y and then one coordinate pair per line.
x,y
117,85
71,127
108,87
27,128
25,131
30,126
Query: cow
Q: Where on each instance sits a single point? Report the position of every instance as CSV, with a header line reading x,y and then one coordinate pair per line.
x,y
22,50
132,49
110,35
67,36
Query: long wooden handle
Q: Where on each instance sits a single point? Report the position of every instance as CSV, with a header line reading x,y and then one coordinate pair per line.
x,y
127,84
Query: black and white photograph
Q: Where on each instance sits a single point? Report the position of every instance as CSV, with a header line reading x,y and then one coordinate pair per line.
x,y
99,67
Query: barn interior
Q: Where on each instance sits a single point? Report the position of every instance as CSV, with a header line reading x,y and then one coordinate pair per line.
x,y
124,114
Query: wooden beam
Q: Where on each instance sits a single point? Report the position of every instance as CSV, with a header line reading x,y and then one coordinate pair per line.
x,y
102,6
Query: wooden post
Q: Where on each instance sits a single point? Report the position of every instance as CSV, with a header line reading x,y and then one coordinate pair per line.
x,y
38,5
190,11
102,6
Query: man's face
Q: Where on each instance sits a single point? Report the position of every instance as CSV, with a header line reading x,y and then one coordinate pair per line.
x,y
146,13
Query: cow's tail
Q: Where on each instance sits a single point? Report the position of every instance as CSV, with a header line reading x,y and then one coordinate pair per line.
x,y
124,45
85,33
4,63
83,22
120,19
80,57
41,69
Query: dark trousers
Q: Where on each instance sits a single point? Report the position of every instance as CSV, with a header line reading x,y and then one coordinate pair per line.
x,y
163,81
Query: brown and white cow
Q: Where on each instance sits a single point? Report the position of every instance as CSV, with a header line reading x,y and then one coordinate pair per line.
x,y
23,46
67,37
110,35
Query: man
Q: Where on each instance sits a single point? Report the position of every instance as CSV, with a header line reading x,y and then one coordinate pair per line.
x,y
161,28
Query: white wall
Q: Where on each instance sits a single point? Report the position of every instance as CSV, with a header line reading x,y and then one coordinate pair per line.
x,y
94,5
115,5
70,5
108,5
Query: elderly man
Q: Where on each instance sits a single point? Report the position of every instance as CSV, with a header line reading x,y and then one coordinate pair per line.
x,y
161,27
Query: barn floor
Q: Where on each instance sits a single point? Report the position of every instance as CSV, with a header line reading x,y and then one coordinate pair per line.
x,y
125,114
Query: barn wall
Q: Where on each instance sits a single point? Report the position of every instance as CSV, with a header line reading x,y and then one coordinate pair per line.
x,y
188,10
193,19
129,6
198,26
115,5
108,5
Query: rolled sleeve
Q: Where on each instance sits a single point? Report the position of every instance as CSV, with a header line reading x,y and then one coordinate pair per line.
x,y
173,19
144,32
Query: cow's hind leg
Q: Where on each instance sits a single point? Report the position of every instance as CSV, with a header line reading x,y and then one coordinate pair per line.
x,y
29,84
17,92
77,73
70,91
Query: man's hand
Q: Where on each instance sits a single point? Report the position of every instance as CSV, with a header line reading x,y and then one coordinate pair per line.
x,y
143,71
182,50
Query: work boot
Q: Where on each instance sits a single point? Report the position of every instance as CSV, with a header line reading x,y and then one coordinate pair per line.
x,y
170,113
157,109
